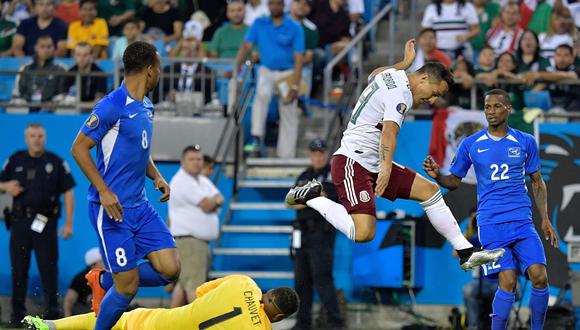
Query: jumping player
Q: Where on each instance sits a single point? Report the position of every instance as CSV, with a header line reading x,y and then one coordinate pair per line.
x,y
363,165
232,302
501,157
128,227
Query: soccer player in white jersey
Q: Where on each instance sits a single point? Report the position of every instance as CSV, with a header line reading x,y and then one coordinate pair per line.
x,y
363,165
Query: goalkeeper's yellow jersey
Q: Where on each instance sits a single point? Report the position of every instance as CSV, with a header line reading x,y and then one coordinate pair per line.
x,y
231,302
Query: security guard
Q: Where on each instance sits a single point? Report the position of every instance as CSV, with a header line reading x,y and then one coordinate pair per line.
x,y
313,243
36,178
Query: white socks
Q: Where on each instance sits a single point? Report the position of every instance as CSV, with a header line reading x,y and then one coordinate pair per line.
x,y
335,214
444,222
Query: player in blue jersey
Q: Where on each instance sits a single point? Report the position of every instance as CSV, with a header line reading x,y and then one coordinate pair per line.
x,y
501,157
128,227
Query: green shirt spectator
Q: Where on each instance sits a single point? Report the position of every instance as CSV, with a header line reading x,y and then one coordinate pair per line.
x,y
227,40
540,20
487,11
116,13
310,34
7,31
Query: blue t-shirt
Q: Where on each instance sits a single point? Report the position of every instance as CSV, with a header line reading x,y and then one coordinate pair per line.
x,y
500,168
57,30
122,127
276,44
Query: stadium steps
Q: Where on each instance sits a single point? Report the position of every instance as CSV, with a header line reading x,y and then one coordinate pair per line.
x,y
256,235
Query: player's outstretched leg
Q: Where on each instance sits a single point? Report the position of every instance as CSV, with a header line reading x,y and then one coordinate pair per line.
x,y
76,322
429,196
334,213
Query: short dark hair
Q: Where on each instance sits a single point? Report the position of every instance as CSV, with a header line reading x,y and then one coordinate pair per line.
x,y
566,46
286,300
138,56
438,72
486,46
500,92
44,37
82,2
426,30
134,21
192,148
208,160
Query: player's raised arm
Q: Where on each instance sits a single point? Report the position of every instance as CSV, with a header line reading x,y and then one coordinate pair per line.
x,y
408,59
431,167
81,153
387,146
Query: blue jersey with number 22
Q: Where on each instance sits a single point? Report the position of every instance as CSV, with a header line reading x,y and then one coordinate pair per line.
x,y
500,167
121,127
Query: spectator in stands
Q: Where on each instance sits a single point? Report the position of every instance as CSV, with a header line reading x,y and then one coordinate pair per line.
x,y
193,220
460,93
485,60
561,31
563,96
162,22
17,10
540,20
455,22
116,13
528,54
7,32
77,298
182,78
332,20
427,51
131,33
37,88
506,35
90,29
44,23
67,10
255,9
506,69
299,10
487,12
280,42
356,9
314,246
227,39
92,88
208,166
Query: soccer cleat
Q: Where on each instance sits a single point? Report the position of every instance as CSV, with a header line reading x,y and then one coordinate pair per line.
x,y
34,323
94,281
481,257
302,194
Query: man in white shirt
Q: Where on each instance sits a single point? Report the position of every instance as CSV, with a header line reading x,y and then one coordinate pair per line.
x,y
193,220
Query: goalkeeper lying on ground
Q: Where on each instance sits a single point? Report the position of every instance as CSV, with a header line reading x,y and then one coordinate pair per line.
x,y
232,302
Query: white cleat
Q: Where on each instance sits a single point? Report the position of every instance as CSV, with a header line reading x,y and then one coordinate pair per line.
x,y
482,257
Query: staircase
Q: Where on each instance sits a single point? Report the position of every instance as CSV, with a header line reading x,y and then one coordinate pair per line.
x,y
256,233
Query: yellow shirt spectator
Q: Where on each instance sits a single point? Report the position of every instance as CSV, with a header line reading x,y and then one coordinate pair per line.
x,y
95,34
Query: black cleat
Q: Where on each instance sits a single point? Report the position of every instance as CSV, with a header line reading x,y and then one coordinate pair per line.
x,y
302,194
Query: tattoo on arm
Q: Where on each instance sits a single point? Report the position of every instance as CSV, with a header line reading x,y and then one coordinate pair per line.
x,y
383,151
540,196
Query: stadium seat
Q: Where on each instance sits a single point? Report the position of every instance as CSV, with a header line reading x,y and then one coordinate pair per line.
x,y
540,99
7,81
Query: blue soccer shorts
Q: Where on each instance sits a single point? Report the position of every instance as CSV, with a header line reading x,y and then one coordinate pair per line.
x,y
523,247
125,243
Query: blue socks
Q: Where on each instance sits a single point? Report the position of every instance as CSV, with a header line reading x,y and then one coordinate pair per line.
x,y
502,306
538,307
112,307
148,277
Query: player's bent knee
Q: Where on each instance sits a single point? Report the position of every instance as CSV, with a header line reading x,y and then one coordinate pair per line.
x,y
364,234
540,281
172,272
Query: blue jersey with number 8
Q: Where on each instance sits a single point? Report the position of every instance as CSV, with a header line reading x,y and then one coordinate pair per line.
x,y
500,168
121,127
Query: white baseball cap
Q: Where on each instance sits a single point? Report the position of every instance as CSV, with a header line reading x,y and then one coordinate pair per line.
x,y
193,29
92,256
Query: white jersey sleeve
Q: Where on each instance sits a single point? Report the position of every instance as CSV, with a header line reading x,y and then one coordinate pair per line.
x,y
397,105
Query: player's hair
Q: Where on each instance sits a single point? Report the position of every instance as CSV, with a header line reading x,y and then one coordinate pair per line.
x,y
566,46
208,160
190,148
500,92
286,300
437,72
138,56
426,30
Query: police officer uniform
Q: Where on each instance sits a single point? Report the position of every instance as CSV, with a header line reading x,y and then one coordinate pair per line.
x,y
313,256
34,217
